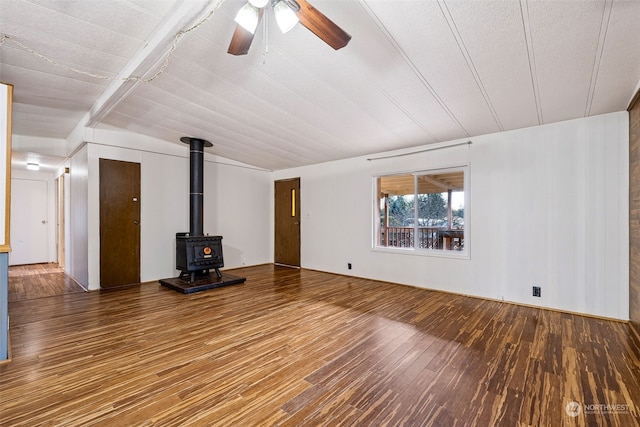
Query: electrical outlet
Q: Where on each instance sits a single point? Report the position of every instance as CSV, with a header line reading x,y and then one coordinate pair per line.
x,y
537,291
349,266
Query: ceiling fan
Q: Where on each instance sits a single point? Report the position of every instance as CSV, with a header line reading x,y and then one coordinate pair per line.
x,y
287,13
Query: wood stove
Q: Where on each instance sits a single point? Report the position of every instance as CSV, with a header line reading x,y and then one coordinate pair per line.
x,y
196,253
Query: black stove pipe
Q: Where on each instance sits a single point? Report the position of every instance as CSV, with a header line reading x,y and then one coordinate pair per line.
x,y
196,179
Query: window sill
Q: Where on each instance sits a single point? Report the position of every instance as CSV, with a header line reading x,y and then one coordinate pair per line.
x,y
435,253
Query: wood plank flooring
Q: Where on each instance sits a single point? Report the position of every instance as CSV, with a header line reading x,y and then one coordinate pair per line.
x,y
305,348
39,281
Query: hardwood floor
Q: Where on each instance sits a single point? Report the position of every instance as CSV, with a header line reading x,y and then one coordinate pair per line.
x,y
299,347
39,281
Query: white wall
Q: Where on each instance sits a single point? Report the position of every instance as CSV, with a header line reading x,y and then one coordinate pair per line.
x,y
237,204
548,206
164,212
77,218
232,192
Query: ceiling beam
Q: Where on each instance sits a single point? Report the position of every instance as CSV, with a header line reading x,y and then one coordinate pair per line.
x,y
435,182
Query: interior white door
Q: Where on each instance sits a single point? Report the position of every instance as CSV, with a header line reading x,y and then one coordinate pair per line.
x,y
29,221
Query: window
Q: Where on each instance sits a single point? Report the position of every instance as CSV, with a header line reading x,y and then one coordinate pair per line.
x,y
421,210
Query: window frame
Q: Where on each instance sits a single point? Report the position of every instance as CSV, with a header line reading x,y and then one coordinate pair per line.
x,y
465,253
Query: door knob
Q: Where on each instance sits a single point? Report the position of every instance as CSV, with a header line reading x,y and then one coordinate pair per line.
x,y
136,222
44,221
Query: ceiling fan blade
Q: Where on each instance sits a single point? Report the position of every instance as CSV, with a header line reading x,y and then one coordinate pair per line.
x,y
241,40
321,26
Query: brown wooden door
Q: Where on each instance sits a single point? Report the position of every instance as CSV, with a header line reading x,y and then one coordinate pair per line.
x,y
119,223
287,222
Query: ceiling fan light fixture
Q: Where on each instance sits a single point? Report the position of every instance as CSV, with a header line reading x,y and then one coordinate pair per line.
x,y
247,17
259,3
286,18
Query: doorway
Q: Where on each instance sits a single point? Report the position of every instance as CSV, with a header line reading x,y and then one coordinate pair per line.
x,y
287,222
119,223
29,229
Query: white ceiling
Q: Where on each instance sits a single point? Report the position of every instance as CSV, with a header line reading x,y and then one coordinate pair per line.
x,y
415,72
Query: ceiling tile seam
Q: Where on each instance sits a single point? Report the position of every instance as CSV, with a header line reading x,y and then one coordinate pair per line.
x,y
597,60
467,57
411,64
526,28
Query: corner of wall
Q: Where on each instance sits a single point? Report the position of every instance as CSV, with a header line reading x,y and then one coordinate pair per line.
x,y
634,216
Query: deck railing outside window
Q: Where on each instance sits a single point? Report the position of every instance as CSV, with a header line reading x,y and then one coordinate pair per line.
x,y
428,238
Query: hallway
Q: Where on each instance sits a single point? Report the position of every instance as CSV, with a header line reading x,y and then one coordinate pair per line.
x,y
40,281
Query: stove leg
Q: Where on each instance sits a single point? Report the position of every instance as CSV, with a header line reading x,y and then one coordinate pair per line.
x,y
218,273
